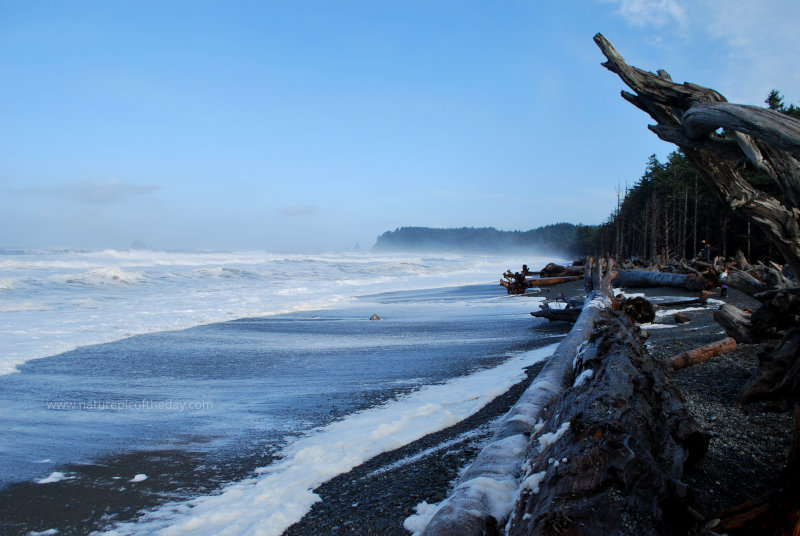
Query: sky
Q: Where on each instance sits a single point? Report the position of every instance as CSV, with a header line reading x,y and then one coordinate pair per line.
x,y
297,126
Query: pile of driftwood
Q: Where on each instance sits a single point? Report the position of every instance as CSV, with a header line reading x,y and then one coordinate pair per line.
x,y
552,274
567,501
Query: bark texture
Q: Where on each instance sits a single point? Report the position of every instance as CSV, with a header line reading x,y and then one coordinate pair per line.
x,y
616,467
470,509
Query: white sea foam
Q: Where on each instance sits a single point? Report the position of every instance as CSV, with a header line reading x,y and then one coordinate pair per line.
x,y
284,492
55,476
56,300
418,522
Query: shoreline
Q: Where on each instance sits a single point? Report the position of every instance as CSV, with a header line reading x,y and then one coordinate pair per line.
x,y
747,450
94,493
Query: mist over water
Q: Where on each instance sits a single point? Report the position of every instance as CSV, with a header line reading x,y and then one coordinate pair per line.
x,y
52,301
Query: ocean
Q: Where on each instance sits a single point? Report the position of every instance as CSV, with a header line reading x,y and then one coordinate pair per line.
x,y
152,392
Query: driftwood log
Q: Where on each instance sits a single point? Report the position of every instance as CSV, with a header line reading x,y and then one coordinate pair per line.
x,y
567,314
605,435
700,300
735,322
471,510
744,282
547,281
519,282
703,353
645,279
613,449
556,270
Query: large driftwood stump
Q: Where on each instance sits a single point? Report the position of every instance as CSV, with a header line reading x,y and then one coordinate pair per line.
x,y
689,116
612,451
638,309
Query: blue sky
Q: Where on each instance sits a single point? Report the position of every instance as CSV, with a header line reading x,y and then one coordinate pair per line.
x,y
317,125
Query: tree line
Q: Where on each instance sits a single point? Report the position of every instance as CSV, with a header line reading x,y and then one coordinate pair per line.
x,y
668,212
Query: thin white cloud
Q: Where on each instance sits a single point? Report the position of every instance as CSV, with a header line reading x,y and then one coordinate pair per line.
x,y
92,191
756,41
656,13
298,210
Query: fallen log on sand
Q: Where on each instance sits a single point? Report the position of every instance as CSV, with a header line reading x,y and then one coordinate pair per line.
x,y
518,282
745,282
609,447
645,279
736,322
703,353
556,270
615,447
547,281
485,493
568,314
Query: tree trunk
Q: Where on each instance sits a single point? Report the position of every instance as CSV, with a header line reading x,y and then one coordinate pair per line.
x,y
547,281
556,270
644,279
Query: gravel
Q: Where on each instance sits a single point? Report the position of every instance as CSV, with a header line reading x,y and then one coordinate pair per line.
x,y
747,450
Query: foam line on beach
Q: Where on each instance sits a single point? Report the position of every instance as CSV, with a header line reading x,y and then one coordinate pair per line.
x,y
283,493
